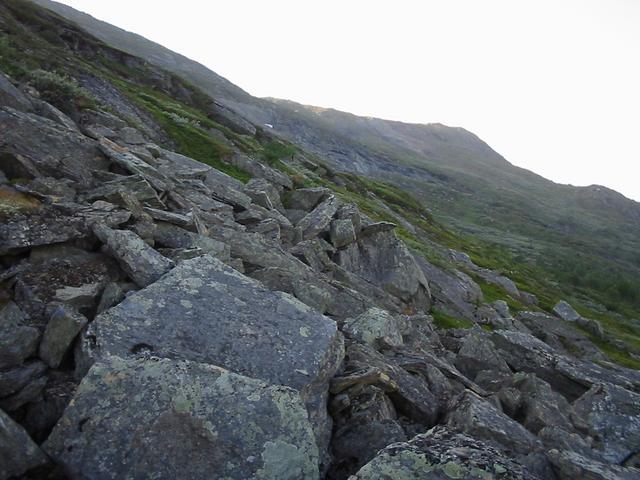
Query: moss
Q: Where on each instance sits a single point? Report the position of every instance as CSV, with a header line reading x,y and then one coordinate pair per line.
x,y
13,202
275,151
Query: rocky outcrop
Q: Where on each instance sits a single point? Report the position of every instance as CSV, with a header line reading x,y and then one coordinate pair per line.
x,y
183,420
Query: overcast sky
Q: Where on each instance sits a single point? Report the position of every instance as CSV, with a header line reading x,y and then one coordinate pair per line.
x,y
552,85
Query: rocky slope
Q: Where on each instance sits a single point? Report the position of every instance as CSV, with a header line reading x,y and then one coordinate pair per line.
x,y
184,295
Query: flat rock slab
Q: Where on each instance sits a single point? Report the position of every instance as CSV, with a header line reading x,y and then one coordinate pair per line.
x,y
208,312
166,419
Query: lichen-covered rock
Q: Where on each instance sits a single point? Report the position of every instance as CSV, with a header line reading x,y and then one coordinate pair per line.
x,y
342,233
17,340
477,353
441,454
317,221
182,420
475,416
18,453
173,236
208,312
375,327
141,262
566,311
612,415
306,199
571,465
264,194
62,328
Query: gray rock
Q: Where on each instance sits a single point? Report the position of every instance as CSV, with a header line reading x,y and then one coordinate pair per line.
x,y
375,327
184,221
135,185
478,353
16,378
227,189
317,221
350,211
264,194
383,260
18,453
566,311
306,198
476,417
569,377
131,136
257,169
571,465
174,164
612,415
454,292
143,264
342,233
182,420
377,227
251,325
441,454
63,327
172,236
17,341
10,96
27,394
82,297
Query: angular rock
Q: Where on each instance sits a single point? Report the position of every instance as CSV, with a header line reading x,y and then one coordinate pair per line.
x,y
571,465
63,327
566,311
27,394
16,378
317,221
612,415
264,194
476,417
182,420
569,377
377,227
184,221
375,327
350,211
257,169
478,353
172,236
10,96
135,185
306,198
17,341
18,453
227,189
262,334
143,264
441,454
83,297
342,233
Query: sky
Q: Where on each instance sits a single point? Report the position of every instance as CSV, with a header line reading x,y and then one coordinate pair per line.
x,y
552,85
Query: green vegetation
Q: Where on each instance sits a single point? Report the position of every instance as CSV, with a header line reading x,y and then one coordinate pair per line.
x,y
275,151
61,91
445,321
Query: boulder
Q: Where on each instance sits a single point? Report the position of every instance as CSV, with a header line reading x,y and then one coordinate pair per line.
x,y
341,233
351,212
173,236
612,415
181,419
10,96
566,311
375,327
306,199
62,328
571,465
18,453
184,221
134,185
82,297
15,379
141,262
17,340
441,454
259,333
475,416
477,353
568,376
317,221
257,169
227,189
264,194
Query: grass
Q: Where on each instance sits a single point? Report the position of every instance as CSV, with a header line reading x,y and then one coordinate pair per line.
x,y
445,321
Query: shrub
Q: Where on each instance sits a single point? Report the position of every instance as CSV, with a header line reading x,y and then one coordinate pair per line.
x,y
61,91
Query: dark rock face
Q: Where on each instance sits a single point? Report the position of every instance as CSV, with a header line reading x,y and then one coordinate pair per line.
x,y
18,453
183,420
251,324
441,454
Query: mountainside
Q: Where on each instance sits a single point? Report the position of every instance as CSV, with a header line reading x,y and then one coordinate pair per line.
x,y
186,292
585,238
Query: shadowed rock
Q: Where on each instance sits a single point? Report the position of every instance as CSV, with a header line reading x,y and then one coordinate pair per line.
x,y
18,453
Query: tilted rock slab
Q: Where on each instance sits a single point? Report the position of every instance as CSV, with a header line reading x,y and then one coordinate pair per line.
x,y
166,419
207,312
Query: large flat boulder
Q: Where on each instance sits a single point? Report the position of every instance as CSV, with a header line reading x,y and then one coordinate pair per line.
x,y
207,312
166,419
